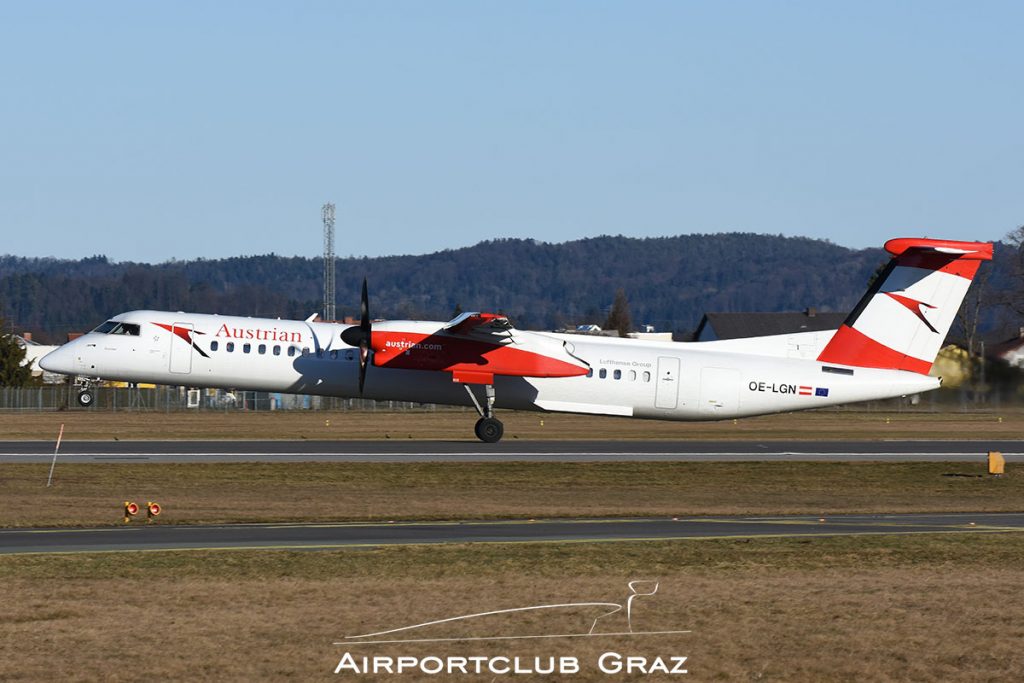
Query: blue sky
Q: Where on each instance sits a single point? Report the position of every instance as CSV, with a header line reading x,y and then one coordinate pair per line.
x,y
150,131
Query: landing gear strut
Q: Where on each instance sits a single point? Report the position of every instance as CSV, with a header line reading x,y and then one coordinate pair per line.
x,y
488,429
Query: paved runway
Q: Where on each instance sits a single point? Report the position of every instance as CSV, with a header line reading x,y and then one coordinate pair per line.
x,y
510,450
326,536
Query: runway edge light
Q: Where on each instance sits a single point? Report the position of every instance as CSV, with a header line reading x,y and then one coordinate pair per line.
x,y
152,510
130,510
996,463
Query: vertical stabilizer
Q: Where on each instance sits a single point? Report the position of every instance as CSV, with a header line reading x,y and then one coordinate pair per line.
x,y
903,319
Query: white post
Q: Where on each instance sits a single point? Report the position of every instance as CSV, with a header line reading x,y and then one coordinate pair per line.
x,y
54,463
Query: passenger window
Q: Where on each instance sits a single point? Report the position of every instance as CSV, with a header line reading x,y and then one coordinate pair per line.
x,y
319,353
603,373
305,351
214,346
229,347
277,349
334,355
291,351
647,376
246,348
590,372
632,375
262,348
617,374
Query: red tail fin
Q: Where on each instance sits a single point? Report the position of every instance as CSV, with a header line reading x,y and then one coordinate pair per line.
x,y
903,319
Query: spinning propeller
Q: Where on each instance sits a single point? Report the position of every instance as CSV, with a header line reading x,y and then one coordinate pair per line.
x,y
360,336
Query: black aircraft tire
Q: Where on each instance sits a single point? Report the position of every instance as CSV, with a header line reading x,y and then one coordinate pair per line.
x,y
85,398
489,429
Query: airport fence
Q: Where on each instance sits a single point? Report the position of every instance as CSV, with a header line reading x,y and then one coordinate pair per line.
x,y
169,399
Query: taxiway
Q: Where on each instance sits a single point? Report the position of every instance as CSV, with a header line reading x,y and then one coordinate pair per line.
x,y
395,450
365,535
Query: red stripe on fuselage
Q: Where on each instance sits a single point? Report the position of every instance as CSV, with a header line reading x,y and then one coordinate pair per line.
x,y
186,335
410,351
179,331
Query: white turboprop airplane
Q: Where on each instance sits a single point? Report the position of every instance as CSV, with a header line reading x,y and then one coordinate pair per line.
x,y
884,349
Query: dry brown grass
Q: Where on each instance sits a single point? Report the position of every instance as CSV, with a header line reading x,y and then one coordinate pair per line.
x,y
929,608
458,425
90,494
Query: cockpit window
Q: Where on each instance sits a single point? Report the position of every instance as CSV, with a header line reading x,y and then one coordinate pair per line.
x,y
115,327
130,329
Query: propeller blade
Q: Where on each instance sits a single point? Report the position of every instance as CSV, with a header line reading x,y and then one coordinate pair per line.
x,y
364,310
364,357
361,336
356,336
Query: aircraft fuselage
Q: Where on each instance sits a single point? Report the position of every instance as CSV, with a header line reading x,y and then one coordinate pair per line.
x,y
627,377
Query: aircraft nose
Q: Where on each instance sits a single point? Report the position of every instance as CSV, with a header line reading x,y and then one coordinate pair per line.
x,y
59,360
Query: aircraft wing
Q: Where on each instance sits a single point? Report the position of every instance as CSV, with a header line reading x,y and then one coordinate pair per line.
x,y
486,323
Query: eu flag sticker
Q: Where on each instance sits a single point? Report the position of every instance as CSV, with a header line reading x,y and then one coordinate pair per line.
x,y
821,391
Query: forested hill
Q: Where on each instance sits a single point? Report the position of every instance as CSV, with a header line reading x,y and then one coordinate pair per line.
x,y
669,281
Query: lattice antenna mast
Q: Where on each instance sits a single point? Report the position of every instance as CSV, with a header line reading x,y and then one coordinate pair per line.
x,y
328,216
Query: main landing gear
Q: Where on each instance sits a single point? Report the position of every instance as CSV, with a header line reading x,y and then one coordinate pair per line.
x,y
488,429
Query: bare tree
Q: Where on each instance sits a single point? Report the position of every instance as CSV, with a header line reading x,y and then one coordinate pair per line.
x,y
1013,298
970,310
619,318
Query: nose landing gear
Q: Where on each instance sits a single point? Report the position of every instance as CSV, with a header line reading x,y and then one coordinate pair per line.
x,y
86,392
488,428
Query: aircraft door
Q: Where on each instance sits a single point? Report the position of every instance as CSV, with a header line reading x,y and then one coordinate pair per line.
x,y
667,392
181,348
